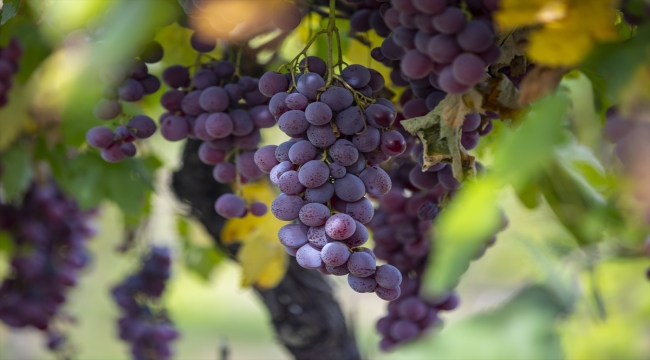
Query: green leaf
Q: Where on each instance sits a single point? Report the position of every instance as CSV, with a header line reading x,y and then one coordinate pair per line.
x,y
529,195
200,260
526,326
17,171
9,10
6,244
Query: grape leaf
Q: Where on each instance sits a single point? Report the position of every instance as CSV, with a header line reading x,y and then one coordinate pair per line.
x,y
262,256
9,10
455,107
539,82
441,142
565,31
17,172
200,260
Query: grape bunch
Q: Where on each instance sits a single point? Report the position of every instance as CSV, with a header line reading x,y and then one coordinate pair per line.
x,y
226,112
130,83
242,20
144,324
9,57
339,137
49,233
436,43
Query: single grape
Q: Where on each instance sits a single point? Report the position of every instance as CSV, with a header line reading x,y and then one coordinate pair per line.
x,y
359,237
230,206
313,64
199,129
321,194
309,83
174,128
361,210
318,113
391,50
209,155
172,99
247,167
293,235
308,257
282,151
449,21
293,122
176,76
213,99
258,208
112,153
380,116
475,37
388,277
448,82
286,15
349,188
416,65
340,226
468,69
314,214
377,81
388,294
242,122
191,103
302,152
128,149
287,207
443,48
219,125
368,140
361,264
358,165
313,174
350,121
250,141
392,143
337,98
272,83
201,43
376,180
204,78
99,137
470,140
321,136
338,270
362,284
150,84
224,172
335,253
235,93
279,170
356,75
296,101
344,152
289,183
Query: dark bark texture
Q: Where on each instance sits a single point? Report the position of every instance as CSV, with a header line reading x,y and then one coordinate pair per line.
x,y
307,319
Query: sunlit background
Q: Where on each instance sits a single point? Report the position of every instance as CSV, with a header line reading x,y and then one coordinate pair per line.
x,y
530,297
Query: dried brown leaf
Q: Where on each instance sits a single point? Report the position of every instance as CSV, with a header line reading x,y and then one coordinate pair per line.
x,y
455,107
539,82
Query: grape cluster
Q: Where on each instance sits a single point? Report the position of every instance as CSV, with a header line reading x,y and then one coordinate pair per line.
x,y
9,58
339,137
49,232
437,44
370,15
631,134
125,83
226,112
240,20
144,323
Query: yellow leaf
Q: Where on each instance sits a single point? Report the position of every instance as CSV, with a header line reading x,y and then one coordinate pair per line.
x,y
262,257
566,29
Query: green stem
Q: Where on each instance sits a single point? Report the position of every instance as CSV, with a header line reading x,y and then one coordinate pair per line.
x,y
331,29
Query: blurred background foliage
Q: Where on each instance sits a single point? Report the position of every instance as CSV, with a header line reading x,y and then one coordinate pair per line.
x,y
565,279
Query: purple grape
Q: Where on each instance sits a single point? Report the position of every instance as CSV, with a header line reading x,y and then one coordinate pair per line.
x,y
412,309
318,113
321,194
470,140
282,151
404,330
293,122
176,76
368,140
204,78
344,152
313,174
213,99
265,158
356,76
314,214
172,99
392,143
321,136
308,257
112,153
337,170
388,294
335,253
379,116
447,179
416,65
224,172
247,167
443,48
286,207
361,264
279,170
338,270
361,210
423,180
272,83
317,236
391,50
475,37
360,284
230,206
202,44
448,82
450,21
198,128
234,92
358,166
468,69
152,53
359,237
191,103
218,125
471,122
209,155
388,277
99,137
349,188
128,149
242,122
174,128
293,235
150,84
262,117
350,121
337,98
309,83
143,126
286,16
314,64
302,152
376,180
